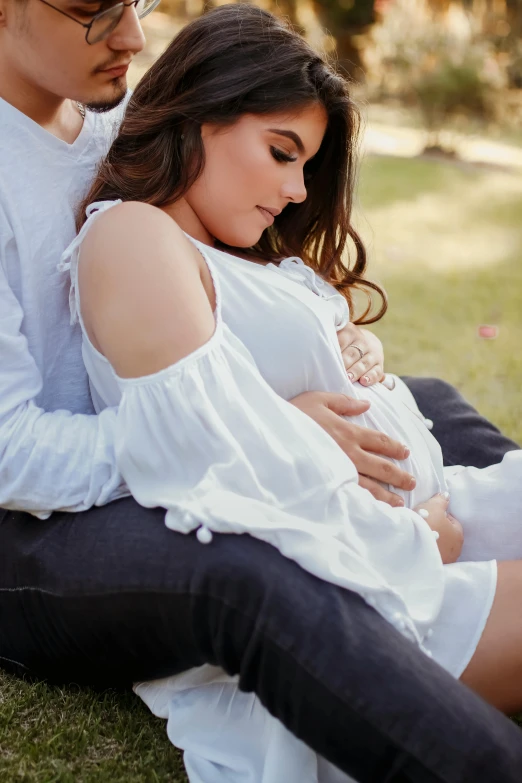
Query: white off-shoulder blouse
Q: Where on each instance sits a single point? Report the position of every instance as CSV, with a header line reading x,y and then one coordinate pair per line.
x,y
214,440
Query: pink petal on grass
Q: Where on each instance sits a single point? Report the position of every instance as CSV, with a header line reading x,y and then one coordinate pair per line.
x,y
488,332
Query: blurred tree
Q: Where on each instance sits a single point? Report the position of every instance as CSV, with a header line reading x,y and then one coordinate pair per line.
x,y
514,36
347,21
448,92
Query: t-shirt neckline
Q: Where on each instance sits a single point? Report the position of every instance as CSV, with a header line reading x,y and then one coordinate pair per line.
x,y
47,138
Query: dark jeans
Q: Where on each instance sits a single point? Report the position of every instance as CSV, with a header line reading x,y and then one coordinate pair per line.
x,y
466,438
111,595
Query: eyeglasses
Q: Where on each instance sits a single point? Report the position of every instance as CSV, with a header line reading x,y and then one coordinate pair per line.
x,y
102,24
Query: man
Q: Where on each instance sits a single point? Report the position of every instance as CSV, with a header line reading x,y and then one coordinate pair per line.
x,y
101,591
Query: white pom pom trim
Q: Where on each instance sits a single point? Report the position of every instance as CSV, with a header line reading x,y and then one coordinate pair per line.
x,y
204,535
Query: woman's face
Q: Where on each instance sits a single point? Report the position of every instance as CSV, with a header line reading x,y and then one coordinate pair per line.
x,y
253,169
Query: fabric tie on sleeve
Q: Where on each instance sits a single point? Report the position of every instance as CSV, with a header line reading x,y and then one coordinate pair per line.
x,y
69,258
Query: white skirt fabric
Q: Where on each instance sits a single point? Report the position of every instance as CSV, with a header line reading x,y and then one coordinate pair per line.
x,y
228,736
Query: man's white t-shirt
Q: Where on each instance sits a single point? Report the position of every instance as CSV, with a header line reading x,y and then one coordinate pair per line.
x,y
54,453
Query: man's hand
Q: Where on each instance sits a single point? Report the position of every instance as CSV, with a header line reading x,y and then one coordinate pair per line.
x,y
366,448
368,368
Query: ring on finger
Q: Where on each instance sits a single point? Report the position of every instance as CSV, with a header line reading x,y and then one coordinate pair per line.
x,y
361,352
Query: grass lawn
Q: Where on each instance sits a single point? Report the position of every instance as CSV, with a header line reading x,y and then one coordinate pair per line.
x,y
446,242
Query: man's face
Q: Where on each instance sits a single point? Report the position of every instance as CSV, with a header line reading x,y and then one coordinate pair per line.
x,y
47,51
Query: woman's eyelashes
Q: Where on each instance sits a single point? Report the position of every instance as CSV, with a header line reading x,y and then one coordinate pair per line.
x,y
282,157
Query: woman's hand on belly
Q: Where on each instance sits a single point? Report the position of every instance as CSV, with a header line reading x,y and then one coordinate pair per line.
x,y
363,354
450,536
369,450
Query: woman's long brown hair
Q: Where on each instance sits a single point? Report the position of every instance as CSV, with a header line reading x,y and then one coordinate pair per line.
x,y
239,59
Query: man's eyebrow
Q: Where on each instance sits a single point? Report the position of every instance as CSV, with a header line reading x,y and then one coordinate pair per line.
x,y
290,135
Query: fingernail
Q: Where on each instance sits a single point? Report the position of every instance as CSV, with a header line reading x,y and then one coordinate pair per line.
x,y
412,483
399,503
407,452
445,495
366,379
351,376
422,512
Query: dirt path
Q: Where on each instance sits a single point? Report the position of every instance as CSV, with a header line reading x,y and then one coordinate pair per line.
x,y
386,139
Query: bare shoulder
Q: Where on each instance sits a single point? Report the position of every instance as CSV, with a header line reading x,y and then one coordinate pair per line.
x,y
143,301
131,233
136,213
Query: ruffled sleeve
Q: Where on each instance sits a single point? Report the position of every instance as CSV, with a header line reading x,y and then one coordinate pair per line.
x,y
211,442
295,269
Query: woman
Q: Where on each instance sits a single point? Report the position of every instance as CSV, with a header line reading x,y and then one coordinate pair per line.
x,y
213,295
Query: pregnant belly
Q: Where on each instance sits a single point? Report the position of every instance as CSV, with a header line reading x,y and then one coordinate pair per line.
x,y
394,412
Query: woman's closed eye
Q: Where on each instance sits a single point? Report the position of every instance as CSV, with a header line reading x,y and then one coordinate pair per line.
x,y
282,157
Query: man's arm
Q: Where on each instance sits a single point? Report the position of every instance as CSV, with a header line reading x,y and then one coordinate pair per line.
x,y
369,450
48,461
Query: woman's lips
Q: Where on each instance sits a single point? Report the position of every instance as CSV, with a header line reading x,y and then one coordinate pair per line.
x,y
267,215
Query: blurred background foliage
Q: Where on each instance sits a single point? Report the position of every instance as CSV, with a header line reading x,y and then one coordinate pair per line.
x,y
457,64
